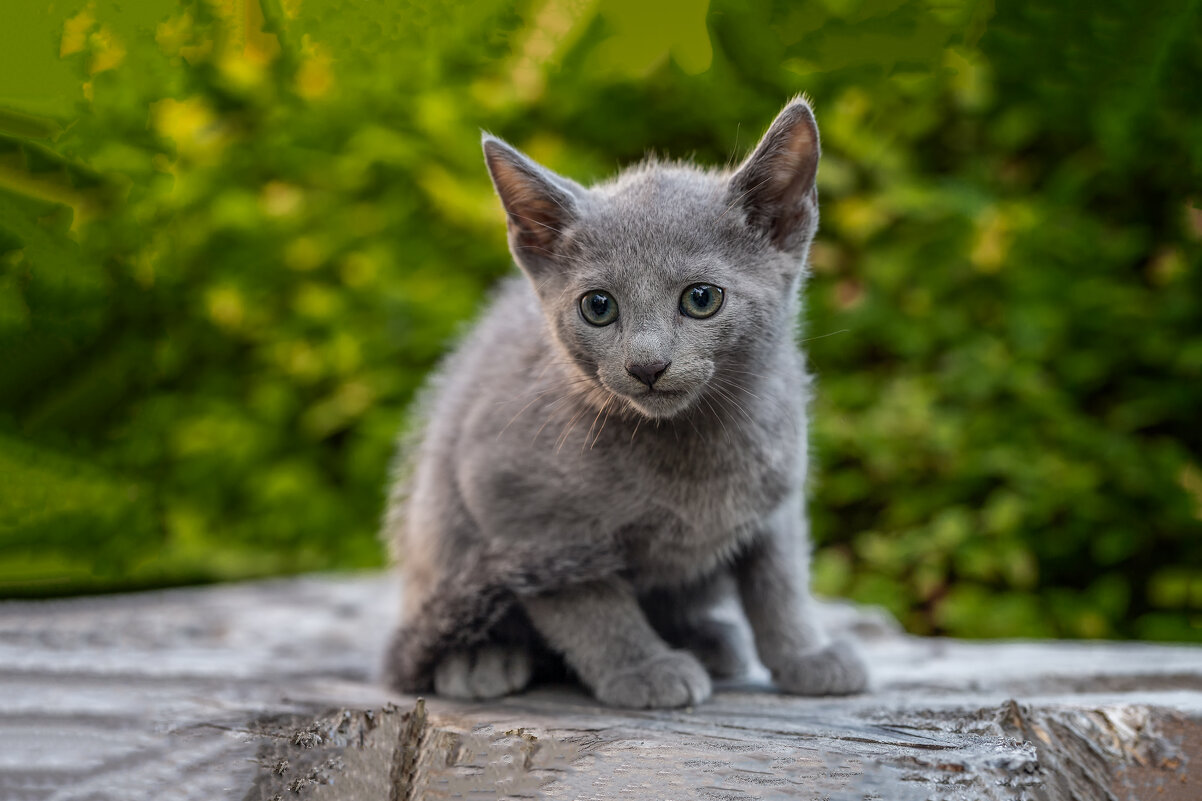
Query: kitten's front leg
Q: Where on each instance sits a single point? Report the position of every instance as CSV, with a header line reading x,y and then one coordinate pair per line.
x,y
605,637
773,580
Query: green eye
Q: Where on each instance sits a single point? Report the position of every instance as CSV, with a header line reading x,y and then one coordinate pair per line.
x,y
598,307
701,300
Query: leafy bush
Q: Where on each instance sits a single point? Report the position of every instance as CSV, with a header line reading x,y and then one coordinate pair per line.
x,y
233,243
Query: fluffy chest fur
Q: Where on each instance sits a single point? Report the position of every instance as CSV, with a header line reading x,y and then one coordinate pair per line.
x,y
703,487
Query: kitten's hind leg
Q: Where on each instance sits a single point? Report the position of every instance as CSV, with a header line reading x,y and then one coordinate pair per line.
x,y
704,619
488,671
716,644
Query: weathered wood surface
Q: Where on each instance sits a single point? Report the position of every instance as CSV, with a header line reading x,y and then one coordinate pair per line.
x,y
264,690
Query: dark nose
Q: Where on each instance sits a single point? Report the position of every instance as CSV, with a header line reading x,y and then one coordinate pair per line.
x,y
647,373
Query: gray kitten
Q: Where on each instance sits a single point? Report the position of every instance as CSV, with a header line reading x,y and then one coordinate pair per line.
x,y
620,444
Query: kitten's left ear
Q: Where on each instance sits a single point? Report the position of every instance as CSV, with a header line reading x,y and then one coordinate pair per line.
x,y
775,185
540,204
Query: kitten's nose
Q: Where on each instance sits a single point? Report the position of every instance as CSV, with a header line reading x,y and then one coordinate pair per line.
x,y
647,373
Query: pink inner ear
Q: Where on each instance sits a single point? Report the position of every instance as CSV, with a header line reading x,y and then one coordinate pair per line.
x,y
777,180
793,165
800,148
534,215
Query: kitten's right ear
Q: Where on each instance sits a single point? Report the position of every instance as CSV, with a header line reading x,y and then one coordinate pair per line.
x,y
540,205
775,185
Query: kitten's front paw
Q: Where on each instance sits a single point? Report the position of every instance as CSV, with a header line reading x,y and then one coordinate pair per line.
x,y
675,678
836,669
487,672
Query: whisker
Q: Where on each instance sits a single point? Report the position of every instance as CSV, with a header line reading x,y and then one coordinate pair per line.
x,y
568,430
602,428
550,417
733,385
589,433
519,414
538,222
742,372
637,423
742,195
696,430
743,409
561,386
724,395
717,417
552,412
824,336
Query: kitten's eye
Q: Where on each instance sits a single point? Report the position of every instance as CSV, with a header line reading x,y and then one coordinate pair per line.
x,y
598,307
701,300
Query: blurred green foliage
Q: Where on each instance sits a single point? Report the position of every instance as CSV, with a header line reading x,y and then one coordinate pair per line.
x,y
234,238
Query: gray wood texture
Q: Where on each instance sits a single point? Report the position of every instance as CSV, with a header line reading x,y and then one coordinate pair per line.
x,y
265,690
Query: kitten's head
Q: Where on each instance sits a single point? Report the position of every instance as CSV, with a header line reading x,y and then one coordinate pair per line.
x,y
669,281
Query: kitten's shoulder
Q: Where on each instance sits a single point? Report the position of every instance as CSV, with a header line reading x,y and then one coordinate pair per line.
x,y
492,352
509,328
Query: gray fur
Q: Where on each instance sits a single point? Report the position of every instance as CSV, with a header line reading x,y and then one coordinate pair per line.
x,y
560,508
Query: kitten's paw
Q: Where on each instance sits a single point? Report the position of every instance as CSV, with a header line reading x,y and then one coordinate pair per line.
x,y
487,672
836,669
716,644
672,679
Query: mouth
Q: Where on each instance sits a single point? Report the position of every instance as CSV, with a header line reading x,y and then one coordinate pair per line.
x,y
660,403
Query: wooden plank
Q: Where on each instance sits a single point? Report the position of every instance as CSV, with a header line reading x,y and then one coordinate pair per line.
x,y
265,690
